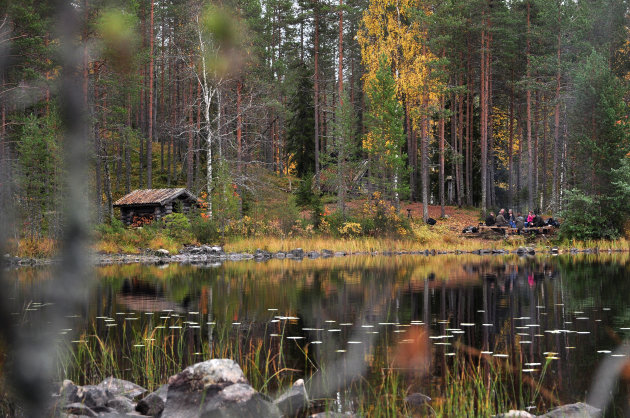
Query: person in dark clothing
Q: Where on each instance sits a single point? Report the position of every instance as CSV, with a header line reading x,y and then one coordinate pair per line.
x,y
501,221
490,219
511,219
520,222
538,221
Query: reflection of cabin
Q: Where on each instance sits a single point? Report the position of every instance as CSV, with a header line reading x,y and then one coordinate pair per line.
x,y
154,203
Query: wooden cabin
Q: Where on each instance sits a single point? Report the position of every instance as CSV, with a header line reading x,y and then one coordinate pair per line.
x,y
154,203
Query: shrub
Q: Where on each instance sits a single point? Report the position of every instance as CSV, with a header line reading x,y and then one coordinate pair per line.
x,y
204,230
584,218
177,226
350,229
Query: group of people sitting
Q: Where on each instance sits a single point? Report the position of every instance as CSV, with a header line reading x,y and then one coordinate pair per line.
x,y
518,221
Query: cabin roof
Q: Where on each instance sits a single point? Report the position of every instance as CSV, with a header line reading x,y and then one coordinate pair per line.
x,y
152,197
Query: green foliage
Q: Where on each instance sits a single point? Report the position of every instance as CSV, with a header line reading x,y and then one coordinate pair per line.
x,y
301,124
204,230
584,217
587,216
177,226
39,163
385,138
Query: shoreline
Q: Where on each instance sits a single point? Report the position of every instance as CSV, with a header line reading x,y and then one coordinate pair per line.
x,y
204,255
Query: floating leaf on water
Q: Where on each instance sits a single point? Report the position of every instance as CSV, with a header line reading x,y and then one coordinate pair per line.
x,y
584,332
272,309
571,348
466,324
346,324
194,326
487,325
538,335
295,338
529,370
131,319
160,327
598,320
452,329
480,311
193,313
532,325
618,355
369,326
341,351
501,355
149,313
486,352
175,327
449,354
355,342
532,364
149,339
334,330
110,320
582,317
603,351
522,334
552,358
399,330
578,312
442,343
316,342
553,331
121,313
458,332
167,310
330,321
111,325
568,322
522,318
78,341
372,332
624,329
274,335
138,345
550,353
380,323
524,342
236,323
211,323
540,307
524,327
164,317
102,317
198,354
274,320
605,309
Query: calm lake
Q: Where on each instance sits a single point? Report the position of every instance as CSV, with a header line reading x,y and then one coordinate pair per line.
x,y
550,320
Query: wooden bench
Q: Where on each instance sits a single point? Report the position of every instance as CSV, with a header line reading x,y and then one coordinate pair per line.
x,y
507,230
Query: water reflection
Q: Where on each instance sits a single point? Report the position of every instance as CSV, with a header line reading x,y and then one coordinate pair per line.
x,y
363,314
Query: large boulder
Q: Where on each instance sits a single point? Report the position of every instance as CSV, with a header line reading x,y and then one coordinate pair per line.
x,y
119,387
215,388
574,410
152,405
294,400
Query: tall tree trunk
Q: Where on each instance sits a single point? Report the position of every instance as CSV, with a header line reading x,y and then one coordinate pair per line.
x,y
455,149
316,92
424,145
239,142
511,149
161,109
190,153
460,148
469,126
150,136
340,76
484,120
410,155
556,126
441,146
530,154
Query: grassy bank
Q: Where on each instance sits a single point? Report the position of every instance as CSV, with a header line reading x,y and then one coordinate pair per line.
x,y
368,227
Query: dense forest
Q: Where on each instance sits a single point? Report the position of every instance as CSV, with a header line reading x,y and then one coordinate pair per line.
x,y
486,103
